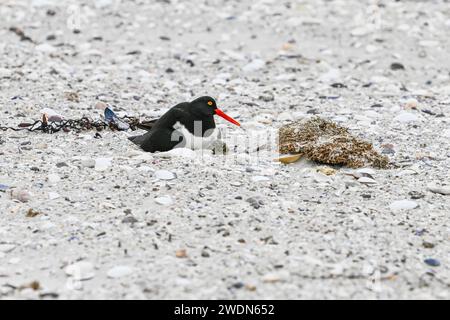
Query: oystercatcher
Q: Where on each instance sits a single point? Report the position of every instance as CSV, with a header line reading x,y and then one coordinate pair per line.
x,y
186,125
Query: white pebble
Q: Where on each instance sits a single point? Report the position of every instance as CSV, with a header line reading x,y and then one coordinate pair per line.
x,y
368,171
405,117
403,205
119,272
439,189
81,270
101,164
367,180
254,65
164,200
21,195
45,47
5,248
165,175
260,179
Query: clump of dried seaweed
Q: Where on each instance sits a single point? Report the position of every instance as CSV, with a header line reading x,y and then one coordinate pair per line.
x,y
326,142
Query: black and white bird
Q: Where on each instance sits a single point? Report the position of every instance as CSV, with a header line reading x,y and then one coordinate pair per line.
x,y
186,125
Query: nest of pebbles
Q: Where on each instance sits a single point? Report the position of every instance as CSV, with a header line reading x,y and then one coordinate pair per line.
x,y
326,142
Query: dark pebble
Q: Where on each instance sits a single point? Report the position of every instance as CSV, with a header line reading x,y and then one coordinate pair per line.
x,y
134,52
312,111
338,85
205,254
397,66
237,285
255,203
388,151
428,245
431,113
420,232
61,164
169,70
416,195
129,219
432,262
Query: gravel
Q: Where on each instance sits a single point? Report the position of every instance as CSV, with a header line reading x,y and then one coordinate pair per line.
x,y
204,226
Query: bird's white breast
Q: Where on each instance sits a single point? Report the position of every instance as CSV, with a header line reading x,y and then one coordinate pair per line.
x,y
192,141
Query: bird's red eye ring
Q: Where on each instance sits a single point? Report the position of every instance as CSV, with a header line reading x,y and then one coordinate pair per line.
x,y
210,103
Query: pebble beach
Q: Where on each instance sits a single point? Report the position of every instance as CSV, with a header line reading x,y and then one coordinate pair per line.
x,y
88,215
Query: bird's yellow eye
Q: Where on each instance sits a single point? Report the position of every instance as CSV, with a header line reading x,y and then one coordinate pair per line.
x,y
210,103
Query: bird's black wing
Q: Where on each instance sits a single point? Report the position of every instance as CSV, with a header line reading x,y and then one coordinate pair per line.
x,y
163,125
172,116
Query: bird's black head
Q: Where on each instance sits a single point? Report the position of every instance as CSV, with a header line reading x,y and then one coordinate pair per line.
x,y
206,106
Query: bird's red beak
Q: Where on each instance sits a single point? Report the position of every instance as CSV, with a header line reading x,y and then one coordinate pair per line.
x,y
222,114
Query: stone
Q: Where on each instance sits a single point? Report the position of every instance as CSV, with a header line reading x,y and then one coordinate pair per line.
x,y
164,200
366,172
182,253
165,175
88,163
46,48
406,117
403,205
260,179
61,164
255,203
129,219
366,180
119,272
397,66
102,164
432,262
444,190
267,96
21,195
254,65
82,270
5,247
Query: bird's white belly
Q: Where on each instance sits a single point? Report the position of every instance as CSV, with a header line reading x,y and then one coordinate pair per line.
x,y
192,141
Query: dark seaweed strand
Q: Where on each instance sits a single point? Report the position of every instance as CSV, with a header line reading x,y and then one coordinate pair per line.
x,y
81,124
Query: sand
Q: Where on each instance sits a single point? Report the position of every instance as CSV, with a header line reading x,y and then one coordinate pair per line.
x,y
109,221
